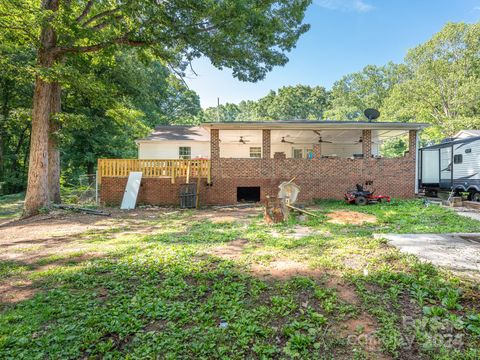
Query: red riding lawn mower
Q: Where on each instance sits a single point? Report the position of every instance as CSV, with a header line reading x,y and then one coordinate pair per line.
x,y
364,197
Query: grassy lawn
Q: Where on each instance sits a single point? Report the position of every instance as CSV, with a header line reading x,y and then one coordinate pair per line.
x,y
204,288
11,206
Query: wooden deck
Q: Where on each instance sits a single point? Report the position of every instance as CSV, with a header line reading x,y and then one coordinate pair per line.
x,y
172,169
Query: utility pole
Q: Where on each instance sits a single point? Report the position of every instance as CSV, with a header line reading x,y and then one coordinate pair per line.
x,y
218,109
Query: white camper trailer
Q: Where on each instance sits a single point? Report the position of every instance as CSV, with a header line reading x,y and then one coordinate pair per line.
x,y
453,165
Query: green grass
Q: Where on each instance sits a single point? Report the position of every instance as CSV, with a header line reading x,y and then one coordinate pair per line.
x,y
168,295
11,206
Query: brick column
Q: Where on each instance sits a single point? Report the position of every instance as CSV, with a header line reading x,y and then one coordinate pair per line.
x,y
266,144
317,151
412,143
214,144
367,144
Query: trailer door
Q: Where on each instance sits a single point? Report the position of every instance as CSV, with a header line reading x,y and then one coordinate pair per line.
x,y
430,174
446,167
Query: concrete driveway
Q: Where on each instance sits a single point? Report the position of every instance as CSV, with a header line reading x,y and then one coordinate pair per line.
x,y
457,252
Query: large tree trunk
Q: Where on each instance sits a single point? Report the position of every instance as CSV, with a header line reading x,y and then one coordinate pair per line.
x,y
53,151
37,187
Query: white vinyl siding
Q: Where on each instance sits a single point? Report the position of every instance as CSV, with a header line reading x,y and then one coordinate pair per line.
x,y
170,149
470,161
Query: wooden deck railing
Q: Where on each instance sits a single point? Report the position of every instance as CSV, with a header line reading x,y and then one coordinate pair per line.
x,y
154,168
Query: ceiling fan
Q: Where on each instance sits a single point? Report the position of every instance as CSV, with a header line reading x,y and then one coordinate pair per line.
x,y
361,141
286,141
320,140
242,140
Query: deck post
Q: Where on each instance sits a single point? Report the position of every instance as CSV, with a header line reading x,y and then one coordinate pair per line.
x,y
413,152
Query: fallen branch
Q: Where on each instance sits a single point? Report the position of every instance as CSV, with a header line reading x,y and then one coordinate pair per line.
x,y
79,209
303,211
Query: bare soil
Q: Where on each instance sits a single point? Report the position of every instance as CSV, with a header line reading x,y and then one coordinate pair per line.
x,y
350,218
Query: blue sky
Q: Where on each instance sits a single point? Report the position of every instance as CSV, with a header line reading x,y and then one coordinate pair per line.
x,y
345,36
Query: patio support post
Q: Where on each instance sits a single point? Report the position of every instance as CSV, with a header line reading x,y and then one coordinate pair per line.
x,y
367,144
266,144
214,144
412,143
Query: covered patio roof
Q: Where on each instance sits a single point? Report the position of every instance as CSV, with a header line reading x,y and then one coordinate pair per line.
x,y
315,125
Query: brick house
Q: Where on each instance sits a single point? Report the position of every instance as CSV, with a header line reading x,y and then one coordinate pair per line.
x,y
245,161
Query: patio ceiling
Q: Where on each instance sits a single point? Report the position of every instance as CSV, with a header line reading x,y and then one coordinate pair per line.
x,y
307,136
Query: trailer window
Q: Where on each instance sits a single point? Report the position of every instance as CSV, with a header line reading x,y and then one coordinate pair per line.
x,y
457,159
468,151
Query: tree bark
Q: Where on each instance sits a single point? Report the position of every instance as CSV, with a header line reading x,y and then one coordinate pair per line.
x,y
37,188
53,151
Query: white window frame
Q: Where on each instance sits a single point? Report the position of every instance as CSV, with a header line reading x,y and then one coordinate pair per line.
x,y
257,153
184,155
305,151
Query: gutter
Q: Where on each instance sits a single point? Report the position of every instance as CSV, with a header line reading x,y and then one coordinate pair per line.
x,y
316,125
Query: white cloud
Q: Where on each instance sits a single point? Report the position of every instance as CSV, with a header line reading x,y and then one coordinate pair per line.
x,y
476,8
345,5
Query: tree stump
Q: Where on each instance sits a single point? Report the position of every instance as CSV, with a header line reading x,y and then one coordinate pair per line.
x,y
275,210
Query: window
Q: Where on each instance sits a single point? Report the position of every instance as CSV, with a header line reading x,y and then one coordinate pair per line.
x,y
256,152
185,152
468,151
457,159
298,153
301,153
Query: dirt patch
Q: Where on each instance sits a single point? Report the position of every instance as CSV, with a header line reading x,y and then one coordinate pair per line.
x,y
361,333
227,215
232,250
16,290
350,218
344,291
284,269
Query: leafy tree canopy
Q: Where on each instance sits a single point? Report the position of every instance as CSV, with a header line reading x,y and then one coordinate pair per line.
x,y
288,103
444,86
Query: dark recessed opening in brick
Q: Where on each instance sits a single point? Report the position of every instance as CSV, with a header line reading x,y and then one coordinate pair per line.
x,y
248,194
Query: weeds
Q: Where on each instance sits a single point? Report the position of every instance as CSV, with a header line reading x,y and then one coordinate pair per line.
x,y
161,295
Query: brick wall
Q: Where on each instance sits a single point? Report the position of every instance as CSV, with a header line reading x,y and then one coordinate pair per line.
x,y
321,178
326,178
153,191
